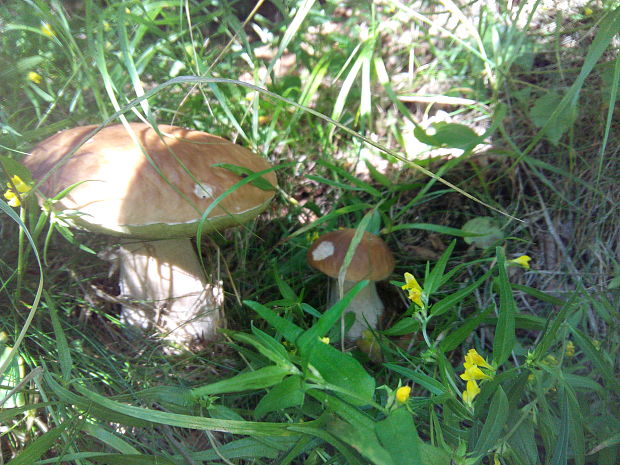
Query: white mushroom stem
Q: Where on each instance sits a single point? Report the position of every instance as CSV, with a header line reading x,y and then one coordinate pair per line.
x,y
366,305
166,289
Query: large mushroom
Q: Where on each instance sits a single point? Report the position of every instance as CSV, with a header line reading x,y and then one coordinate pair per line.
x,y
372,260
152,189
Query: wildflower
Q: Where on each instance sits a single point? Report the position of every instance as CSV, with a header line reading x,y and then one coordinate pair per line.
x,y
312,237
34,77
570,349
474,358
415,291
324,340
402,394
472,372
47,30
523,260
587,11
470,393
11,195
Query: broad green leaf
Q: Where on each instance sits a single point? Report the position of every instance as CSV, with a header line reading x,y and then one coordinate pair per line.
x,y
289,393
258,379
544,115
398,435
494,423
505,330
342,370
452,135
483,231
363,440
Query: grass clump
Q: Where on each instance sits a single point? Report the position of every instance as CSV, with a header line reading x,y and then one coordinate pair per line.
x,y
487,358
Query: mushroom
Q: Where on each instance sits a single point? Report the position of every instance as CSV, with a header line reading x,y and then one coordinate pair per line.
x,y
152,189
372,260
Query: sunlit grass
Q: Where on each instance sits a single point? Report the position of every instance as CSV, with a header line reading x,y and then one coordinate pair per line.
x,y
521,125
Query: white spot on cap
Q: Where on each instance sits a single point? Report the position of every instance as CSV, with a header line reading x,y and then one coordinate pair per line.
x,y
204,191
323,251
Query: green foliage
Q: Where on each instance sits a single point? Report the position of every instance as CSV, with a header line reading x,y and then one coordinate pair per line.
x,y
74,389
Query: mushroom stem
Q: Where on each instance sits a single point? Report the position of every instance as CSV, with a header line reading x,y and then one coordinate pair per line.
x,y
167,289
366,305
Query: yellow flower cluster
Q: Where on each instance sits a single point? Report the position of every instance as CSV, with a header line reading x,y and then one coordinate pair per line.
x,y
402,394
473,373
415,291
10,195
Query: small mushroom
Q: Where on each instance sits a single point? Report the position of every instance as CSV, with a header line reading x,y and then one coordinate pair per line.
x,y
372,260
152,189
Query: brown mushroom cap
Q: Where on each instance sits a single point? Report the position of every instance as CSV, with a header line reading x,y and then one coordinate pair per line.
x,y
372,260
122,193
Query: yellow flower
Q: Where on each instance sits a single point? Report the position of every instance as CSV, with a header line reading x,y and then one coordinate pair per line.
x,y
47,30
311,237
570,349
35,77
325,340
472,372
474,358
402,394
415,291
470,393
523,260
587,11
10,195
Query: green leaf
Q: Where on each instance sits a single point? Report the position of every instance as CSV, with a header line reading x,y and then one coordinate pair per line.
x,y
505,330
289,330
544,114
454,338
289,393
266,345
560,451
363,440
523,443
64,354
42,445
494,423
258,379
407,325
341,370
452,135
392,432
422,379
447,303
483,232
433,281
